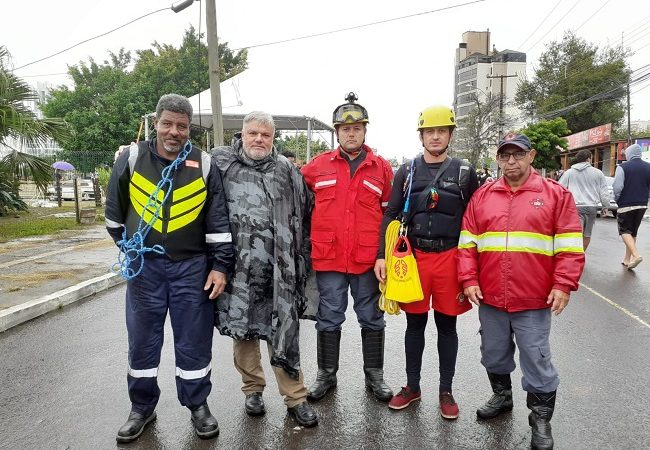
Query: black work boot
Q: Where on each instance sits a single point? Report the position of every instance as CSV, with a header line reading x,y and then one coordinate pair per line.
x,y
205,424
254,404
304,415
373,363
542,406
328,364
501,400
134,426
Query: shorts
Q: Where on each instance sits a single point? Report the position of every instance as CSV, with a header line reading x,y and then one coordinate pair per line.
x,y
439,278
587,219
629,221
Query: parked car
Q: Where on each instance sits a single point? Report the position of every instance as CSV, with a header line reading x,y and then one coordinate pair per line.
x,y
86,190
613,207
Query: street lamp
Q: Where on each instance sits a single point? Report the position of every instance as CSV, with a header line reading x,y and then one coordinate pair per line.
x,y
181,5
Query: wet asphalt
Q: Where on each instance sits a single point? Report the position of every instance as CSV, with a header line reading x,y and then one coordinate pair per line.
x,y
63,380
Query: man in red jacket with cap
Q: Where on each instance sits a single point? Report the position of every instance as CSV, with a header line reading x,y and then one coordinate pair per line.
x,y
520,256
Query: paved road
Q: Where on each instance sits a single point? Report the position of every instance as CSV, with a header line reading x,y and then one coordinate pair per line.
x,y
63,383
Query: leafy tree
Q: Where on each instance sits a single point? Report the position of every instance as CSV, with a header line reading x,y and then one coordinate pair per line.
x,y
479,131
107,101
19,124
546,138
298,144
571,71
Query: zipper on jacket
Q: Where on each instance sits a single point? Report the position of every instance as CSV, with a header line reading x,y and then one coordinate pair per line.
x,y
507,253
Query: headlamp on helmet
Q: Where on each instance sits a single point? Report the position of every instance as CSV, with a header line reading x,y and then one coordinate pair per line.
x,y
350,112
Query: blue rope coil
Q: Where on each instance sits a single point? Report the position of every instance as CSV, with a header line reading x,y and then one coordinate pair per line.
x,y
132,250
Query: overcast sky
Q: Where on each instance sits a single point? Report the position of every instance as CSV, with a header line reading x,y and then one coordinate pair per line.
x,y
396,68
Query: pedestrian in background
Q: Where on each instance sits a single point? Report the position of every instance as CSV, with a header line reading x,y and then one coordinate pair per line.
x,y
520,256
631,191
191,253
440,187
351,186
589,189
268,206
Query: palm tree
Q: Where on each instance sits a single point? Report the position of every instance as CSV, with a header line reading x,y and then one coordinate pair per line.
x,y
19,124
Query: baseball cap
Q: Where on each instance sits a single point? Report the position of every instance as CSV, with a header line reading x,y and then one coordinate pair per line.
x,y
519,140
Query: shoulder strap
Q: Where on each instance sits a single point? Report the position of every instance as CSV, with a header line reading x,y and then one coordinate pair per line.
x,y
422,198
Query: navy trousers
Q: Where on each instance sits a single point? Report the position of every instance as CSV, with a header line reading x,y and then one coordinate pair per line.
x,y
175,286
333,290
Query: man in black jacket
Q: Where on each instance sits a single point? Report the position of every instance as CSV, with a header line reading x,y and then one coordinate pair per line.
x,y
166,209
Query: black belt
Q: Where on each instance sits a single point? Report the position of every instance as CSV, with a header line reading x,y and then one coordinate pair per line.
x,y
435,245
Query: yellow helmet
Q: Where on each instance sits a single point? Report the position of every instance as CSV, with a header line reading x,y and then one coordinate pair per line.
x,y
437,116
350,112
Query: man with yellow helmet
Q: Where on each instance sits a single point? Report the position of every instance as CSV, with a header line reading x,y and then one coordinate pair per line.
x,y
351,186
440,187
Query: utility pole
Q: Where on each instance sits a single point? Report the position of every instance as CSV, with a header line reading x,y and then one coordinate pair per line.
x,y
501,100
213,62
629,124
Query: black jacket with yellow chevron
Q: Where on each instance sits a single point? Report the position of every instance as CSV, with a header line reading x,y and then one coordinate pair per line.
x,y
193,220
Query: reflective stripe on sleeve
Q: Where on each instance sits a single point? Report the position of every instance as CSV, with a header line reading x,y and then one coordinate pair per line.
x,y
111,223
193,374
466,240
384,204
215,238
568,242
143,373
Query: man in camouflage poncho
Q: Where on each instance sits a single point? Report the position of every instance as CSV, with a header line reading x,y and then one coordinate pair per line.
x,y
268,206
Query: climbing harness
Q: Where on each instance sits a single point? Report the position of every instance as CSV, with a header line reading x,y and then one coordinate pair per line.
x,y
132,250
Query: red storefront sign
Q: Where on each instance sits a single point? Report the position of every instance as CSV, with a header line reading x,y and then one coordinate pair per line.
x,y
593,136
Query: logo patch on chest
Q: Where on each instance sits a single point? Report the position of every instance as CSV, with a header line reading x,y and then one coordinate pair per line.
x,y
190,163
537,203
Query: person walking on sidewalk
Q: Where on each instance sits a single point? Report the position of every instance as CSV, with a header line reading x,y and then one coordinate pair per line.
x,y
520,256
440,187
191,252
631,191
351,186
268,206
589,189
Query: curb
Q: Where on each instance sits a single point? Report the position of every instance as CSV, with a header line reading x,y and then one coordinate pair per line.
x,y
18,314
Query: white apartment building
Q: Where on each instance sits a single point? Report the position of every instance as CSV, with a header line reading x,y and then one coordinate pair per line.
x,y
481,71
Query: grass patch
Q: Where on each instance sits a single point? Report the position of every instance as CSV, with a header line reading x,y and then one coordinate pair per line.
x,y
37,222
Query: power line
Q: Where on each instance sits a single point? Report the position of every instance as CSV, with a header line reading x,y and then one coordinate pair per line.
x,y
540,24
92,38
556,24
355,27
591,17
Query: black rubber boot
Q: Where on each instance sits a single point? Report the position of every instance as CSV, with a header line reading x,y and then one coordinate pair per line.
x,y
501,400
205,424
542,406
327,346
373,364
134,426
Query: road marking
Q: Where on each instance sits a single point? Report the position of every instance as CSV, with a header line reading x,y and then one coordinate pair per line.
x,y
616,305
44,255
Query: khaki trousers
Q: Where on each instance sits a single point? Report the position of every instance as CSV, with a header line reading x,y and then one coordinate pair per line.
x,y
248,362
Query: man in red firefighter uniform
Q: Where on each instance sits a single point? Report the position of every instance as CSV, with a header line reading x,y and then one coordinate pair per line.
x,y
520,256
351,187
191,253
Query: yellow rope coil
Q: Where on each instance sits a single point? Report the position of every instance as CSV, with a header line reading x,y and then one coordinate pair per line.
x,y
392,232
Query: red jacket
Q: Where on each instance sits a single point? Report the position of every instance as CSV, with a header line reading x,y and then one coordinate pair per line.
x,y
348,211
517,246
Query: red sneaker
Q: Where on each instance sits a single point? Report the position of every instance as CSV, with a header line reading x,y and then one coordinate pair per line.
x,y
448,406
404,398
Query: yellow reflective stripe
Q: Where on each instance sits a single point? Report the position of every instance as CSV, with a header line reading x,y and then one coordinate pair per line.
x,y
187,190
466,239
147,186
568,242
184,206
147,215
183,220
515,241
142,199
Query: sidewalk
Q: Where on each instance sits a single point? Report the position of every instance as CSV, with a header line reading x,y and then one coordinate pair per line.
x,y
43,273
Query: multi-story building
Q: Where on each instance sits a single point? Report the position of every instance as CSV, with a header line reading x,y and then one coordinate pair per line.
x,y
481,72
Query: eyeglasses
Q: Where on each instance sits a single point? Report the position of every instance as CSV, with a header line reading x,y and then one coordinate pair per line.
x,y
433,199
519,154
350,114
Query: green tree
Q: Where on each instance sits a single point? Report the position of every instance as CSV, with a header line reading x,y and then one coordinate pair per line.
x,y
298,144
571,71
18,124
546,138
107,102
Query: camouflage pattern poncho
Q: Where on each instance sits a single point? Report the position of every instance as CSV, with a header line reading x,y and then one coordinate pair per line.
x,y
268,206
